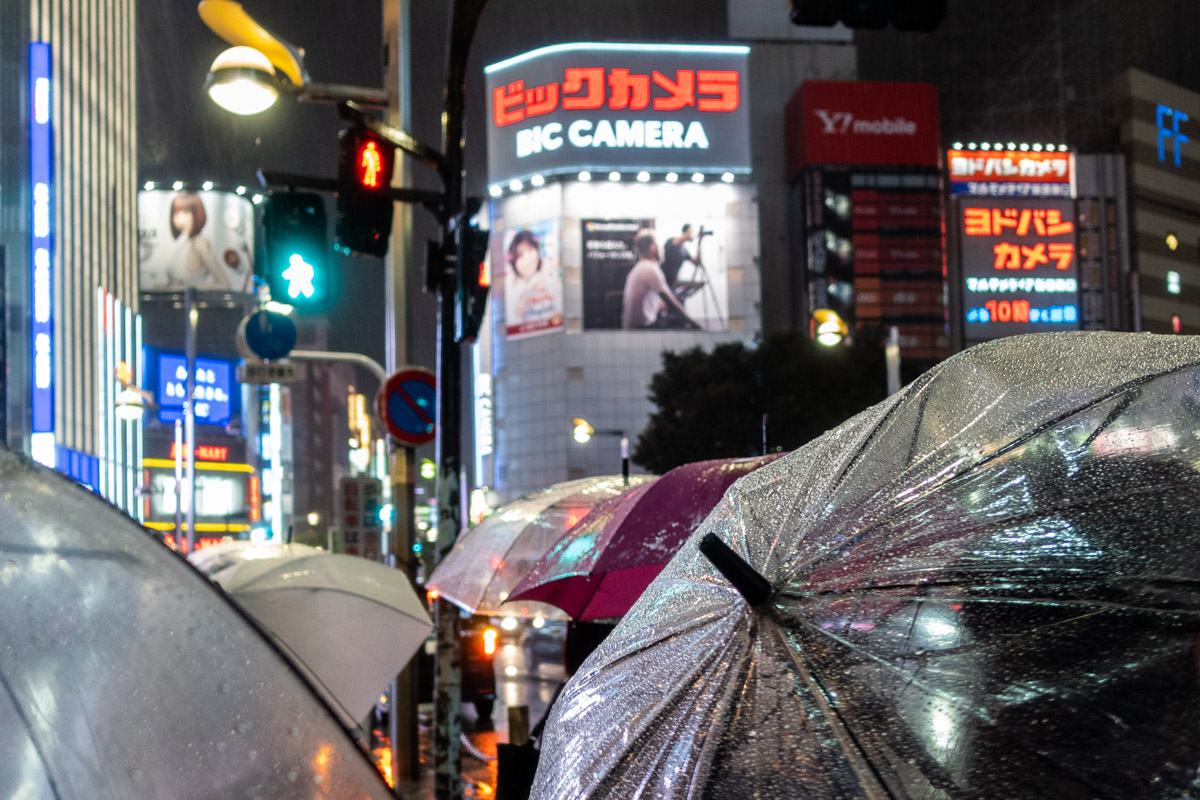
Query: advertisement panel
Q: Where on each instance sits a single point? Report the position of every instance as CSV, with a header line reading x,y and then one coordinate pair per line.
x,y
213,389
203,240
1019,267
666,273
533,286
862,122
1011,173
362,528
591,106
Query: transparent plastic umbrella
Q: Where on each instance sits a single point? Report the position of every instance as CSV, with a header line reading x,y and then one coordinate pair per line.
x,y
486,562
600,567
987,586
349,623
124,673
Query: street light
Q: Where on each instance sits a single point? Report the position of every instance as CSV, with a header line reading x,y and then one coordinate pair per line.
x,y
831,329
582,431
241,80
249,77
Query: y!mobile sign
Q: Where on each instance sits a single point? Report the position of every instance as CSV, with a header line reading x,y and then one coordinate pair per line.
x,y
862,122
574,107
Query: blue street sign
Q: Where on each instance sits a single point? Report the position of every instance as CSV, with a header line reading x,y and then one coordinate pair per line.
x,y
270,335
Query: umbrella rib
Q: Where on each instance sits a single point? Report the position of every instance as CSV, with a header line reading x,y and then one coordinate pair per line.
x,y
669,701
850,744
33,739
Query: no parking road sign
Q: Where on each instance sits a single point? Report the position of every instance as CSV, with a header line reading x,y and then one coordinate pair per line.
x,y
407,404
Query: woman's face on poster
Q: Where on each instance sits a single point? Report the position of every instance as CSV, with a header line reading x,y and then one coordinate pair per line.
x,y
527,260
182,219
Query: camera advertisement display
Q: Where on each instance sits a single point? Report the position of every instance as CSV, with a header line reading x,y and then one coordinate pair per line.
x,y
202,240
533,285
654,274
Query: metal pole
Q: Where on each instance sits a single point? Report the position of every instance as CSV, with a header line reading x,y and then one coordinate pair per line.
x,y
625,457
403,731
366,362
189,409
179,483
892,355
447,755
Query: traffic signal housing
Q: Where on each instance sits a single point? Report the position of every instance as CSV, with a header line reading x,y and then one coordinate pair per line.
x,y
364,205
296,249
904,15
474,279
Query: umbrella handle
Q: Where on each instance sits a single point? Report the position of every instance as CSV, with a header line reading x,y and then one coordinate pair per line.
x,y
752,586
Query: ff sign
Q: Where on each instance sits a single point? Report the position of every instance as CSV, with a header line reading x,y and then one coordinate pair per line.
x,y
42,332
1168,121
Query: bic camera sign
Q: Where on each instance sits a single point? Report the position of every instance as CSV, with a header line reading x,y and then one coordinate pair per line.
x,y
621,107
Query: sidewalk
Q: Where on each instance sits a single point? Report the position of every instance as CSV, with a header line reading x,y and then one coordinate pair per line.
x,y
478,778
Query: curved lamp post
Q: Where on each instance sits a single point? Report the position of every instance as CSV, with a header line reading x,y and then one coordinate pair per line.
x,y
249,77
582,431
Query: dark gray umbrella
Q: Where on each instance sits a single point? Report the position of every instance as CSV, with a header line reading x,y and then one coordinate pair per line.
x,y
986,587
125,674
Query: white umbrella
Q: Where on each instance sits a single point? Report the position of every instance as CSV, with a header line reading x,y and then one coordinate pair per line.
x,y
349,623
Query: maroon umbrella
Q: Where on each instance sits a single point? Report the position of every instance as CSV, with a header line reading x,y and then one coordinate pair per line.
x,y
600,567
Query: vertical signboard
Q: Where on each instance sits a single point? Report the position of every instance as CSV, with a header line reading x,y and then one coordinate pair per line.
x,y
1019,267
40,181
608,255
533,285
362,527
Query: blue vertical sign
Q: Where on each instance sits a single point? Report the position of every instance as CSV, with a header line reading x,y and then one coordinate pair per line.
x,y
42,333
1168,120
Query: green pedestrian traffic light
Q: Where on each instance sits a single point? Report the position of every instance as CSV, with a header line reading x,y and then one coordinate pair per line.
x,y
297,267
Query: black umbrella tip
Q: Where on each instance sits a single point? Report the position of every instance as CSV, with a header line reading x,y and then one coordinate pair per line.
x,y
752,586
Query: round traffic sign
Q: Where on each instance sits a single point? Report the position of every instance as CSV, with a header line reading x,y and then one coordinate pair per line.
x,y
269,334
407,404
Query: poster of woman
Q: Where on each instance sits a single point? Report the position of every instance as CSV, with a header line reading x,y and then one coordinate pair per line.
x,y
203,240
533,292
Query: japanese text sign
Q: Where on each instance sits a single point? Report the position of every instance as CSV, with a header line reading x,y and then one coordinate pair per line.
x,y
1019,265
362,527
1011,173
577,107
213,387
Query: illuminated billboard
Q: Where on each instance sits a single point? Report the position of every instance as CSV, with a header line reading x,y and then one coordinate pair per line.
x,y
1020,269
594,106
1011,173
533,285
202,240
661,273
41,278
214,387
862,122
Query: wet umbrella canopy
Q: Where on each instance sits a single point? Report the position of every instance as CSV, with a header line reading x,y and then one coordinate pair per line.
x,y
488,560
987,586
600,567
125,674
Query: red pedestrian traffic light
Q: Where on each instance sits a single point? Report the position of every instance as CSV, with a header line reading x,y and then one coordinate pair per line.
x,y
364,208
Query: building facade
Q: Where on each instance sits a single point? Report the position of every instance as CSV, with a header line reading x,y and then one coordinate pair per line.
x,y
68,232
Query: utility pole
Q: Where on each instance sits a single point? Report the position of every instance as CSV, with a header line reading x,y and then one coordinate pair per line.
x,y
464,17
403,731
